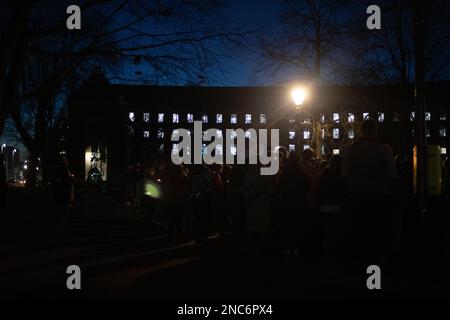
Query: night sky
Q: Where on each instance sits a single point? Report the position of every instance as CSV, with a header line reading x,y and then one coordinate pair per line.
x,y
265,12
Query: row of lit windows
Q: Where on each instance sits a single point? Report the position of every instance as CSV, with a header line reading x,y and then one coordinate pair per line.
x,y
351,133
292,134
204,118
336,117
160,133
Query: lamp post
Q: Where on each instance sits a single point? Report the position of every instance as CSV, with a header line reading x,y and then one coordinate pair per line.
x,y
298,96
14,164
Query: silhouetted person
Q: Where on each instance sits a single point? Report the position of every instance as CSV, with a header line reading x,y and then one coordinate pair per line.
x,y
3,181
331,196
309,167
63,189
227,204
331,186
200,187
216,196
259,190
369,170
292,190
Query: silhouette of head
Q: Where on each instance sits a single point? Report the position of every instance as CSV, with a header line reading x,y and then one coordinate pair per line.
x,y
335,162
369,128
293,157
307,154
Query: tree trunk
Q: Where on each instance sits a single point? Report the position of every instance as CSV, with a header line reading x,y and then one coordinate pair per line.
x,y
31,170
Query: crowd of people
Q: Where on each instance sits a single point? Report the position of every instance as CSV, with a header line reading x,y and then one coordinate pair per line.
x,y
355,201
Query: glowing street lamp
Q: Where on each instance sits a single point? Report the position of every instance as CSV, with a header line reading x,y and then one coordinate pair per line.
x,y
298,96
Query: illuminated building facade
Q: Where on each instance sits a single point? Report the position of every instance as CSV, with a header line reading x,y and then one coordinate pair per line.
x,y
112,125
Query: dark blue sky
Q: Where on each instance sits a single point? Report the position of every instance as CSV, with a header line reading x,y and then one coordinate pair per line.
x,y
254,12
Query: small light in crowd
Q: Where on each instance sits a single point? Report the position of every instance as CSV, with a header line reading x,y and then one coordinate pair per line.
x,y
25,167
335,151
152,189
443,150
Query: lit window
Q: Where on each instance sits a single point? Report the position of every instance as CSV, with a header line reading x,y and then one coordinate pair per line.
x,y
336,117
291,147
322,118
351,117
248,118
365,115
443,115
219,118
175,118
146,117
443,132
161,147
427,116
335,151
262,118
291,135
160,133
396,117
380,116
306,134
412,116
427,132
219,133
323,133
351,134
305,147
233,150
335,133
233,119
443,150
205,118
146,134
190,117
132,116
160,117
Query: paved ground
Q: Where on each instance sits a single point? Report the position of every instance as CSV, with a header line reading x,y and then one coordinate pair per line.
x,y
122,254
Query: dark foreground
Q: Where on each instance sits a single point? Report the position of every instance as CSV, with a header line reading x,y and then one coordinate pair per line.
x,y
124,254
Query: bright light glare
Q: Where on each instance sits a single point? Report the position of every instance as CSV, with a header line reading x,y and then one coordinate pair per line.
x,y
298,95
152,189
